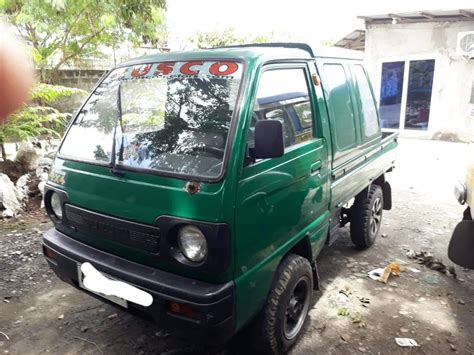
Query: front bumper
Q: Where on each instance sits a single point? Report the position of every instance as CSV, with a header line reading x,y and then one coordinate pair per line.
x,y
213,303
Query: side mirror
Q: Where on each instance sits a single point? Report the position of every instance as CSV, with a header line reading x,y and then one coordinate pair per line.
x,y
461,246
269,142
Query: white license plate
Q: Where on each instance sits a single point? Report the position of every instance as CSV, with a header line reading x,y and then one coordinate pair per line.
x,y
115,299
114,290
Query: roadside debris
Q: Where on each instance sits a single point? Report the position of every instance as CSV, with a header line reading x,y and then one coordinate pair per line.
x,y
112,316
406,342
382,274
427,259
346,337
8,197
90,342
23,178
343,311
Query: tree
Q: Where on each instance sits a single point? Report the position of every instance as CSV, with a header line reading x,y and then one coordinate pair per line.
x,y
37,120
328,42
226,37
65,32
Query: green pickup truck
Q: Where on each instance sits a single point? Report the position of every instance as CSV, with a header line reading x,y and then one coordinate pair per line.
x,y
198,188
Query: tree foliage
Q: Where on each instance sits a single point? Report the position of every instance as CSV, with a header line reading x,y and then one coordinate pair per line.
x,y
226,37
40,119
69,31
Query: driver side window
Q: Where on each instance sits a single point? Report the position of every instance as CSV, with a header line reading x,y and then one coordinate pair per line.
x,y
283,95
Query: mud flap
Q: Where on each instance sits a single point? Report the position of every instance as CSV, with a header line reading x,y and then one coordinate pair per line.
x,y
461,246
316,283
387,196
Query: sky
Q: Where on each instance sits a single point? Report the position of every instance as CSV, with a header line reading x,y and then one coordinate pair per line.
x,y
298,20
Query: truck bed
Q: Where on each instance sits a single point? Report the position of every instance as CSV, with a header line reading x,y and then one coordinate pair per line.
x,y
350,178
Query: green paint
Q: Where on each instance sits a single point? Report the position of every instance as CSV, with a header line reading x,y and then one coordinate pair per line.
x,y
269,205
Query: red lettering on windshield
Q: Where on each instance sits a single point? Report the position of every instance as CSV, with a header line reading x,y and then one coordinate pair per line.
x,y
164,68
186,68
141,71
223,68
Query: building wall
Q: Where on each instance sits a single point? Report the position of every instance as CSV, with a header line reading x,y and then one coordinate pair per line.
x,y
451,114
82,79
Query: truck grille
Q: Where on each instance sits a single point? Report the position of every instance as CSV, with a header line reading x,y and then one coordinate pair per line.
x,y
135,235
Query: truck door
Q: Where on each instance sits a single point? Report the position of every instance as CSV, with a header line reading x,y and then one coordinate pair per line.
x,y
284,198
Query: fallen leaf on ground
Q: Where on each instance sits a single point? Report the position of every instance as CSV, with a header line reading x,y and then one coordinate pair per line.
x,y
343,311
346,337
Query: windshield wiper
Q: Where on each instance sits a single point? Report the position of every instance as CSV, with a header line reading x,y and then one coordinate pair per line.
x,y
113,166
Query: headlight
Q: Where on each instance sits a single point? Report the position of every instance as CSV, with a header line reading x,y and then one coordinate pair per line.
x,y
56,205
460,192
192,243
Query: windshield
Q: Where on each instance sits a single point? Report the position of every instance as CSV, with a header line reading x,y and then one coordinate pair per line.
x,y
172,117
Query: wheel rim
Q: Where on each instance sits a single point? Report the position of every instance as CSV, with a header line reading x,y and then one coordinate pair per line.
x,y
376,217
296,309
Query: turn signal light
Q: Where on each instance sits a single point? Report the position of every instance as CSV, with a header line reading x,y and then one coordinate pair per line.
x,y
182,309
50,255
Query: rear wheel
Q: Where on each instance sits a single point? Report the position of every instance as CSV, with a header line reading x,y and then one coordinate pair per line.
x,y
366,217
283,318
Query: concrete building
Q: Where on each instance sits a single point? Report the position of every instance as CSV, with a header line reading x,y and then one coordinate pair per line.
x,y
422,68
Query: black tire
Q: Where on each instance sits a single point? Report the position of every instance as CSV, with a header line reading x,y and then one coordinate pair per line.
x,y
366,217
275,329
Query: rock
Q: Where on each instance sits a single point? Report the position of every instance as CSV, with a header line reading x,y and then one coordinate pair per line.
x,y
28,156
461,302
61,316
362,349
453,347
112,316
84,329
346,337
404,330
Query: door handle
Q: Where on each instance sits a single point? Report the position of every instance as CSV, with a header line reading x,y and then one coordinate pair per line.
x,y
316,167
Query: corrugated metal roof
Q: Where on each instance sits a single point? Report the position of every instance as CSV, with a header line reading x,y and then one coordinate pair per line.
x,y
354,40
421,16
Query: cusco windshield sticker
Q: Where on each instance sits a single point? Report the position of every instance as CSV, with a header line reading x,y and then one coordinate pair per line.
x,y
195,68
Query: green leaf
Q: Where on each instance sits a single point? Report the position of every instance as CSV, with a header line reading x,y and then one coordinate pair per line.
x,y
65,32
108,20
343,311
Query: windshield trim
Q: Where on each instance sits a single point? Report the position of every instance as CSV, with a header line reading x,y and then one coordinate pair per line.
x,y
171,174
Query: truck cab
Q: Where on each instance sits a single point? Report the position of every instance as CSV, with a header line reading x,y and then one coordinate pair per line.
x,y
198,188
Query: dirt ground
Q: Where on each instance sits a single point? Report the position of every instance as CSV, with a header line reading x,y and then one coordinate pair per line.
x,y
39,314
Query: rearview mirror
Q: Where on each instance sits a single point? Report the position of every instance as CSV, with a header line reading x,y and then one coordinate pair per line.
x,y
269,141
461,246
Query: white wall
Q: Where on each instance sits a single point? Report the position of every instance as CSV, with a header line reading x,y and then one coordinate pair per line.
x,y
453,77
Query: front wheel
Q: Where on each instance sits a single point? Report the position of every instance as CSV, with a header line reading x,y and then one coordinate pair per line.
x,y
366,217
284,316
